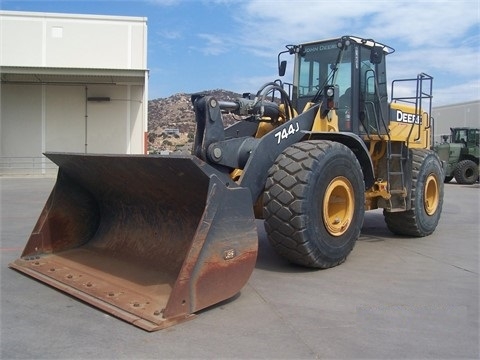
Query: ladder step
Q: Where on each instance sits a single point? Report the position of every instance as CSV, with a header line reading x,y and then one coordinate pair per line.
x,y
395,161
397,209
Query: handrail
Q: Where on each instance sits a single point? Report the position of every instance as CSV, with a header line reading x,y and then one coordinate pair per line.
x,y
26,165
423,93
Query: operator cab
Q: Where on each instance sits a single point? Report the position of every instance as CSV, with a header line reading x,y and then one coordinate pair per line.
x,y
354,69
466,136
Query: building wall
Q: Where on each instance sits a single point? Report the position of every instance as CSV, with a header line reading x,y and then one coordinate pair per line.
x,y
50,65
72,41
465,114
20,125
59,118
63,119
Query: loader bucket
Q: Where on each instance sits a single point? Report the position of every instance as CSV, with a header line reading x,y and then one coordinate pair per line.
x,y
148,239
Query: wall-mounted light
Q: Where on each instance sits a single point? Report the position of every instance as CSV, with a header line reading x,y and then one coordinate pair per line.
x,y
98,98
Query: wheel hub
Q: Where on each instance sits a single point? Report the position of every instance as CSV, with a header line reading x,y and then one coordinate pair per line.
x,y
338,206
431,195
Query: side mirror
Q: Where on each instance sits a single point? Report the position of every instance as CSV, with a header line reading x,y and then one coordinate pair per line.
x,y
376,55
282,66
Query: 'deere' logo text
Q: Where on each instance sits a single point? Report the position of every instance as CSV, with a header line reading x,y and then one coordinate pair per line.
x,y
408,118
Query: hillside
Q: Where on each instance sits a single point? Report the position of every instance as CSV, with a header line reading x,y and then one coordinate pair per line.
x,y
171,121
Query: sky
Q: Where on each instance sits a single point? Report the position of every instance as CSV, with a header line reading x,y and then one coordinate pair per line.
x,y
196,45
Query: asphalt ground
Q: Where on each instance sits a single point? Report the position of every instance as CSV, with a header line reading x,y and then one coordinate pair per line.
x,y
394,298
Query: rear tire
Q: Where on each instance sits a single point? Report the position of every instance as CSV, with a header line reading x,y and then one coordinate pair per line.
x,y
466,172
314,203
426,197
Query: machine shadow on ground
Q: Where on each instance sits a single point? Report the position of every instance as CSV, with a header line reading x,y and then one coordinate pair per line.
x,y
374,229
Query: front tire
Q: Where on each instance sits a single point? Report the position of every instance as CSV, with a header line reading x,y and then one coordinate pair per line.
x,y
314,203
426,197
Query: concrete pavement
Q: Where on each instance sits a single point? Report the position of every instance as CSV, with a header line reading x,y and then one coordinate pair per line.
x,y
394,297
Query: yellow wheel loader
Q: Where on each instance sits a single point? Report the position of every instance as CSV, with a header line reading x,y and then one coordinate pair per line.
x,y
154,239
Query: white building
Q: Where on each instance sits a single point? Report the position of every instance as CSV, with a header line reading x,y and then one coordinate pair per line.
x,y
70,83
466,114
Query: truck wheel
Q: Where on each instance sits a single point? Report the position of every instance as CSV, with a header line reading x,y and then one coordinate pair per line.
x,y
314,203
426,197
466,172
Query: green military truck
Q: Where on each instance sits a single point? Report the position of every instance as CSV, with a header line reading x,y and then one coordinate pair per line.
x,y
460,152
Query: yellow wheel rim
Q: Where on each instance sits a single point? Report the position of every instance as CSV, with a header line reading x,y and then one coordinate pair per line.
x,y
338,206
431,195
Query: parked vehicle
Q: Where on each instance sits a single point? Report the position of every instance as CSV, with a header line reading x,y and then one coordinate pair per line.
x,y
460,152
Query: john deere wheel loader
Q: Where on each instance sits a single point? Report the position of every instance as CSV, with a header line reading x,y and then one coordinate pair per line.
x,y
154,239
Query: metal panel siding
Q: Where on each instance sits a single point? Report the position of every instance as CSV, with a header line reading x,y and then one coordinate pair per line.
x,y
456,115
87,45
72,41
136,120
138,47
65,118
21,41
47,61
20,114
